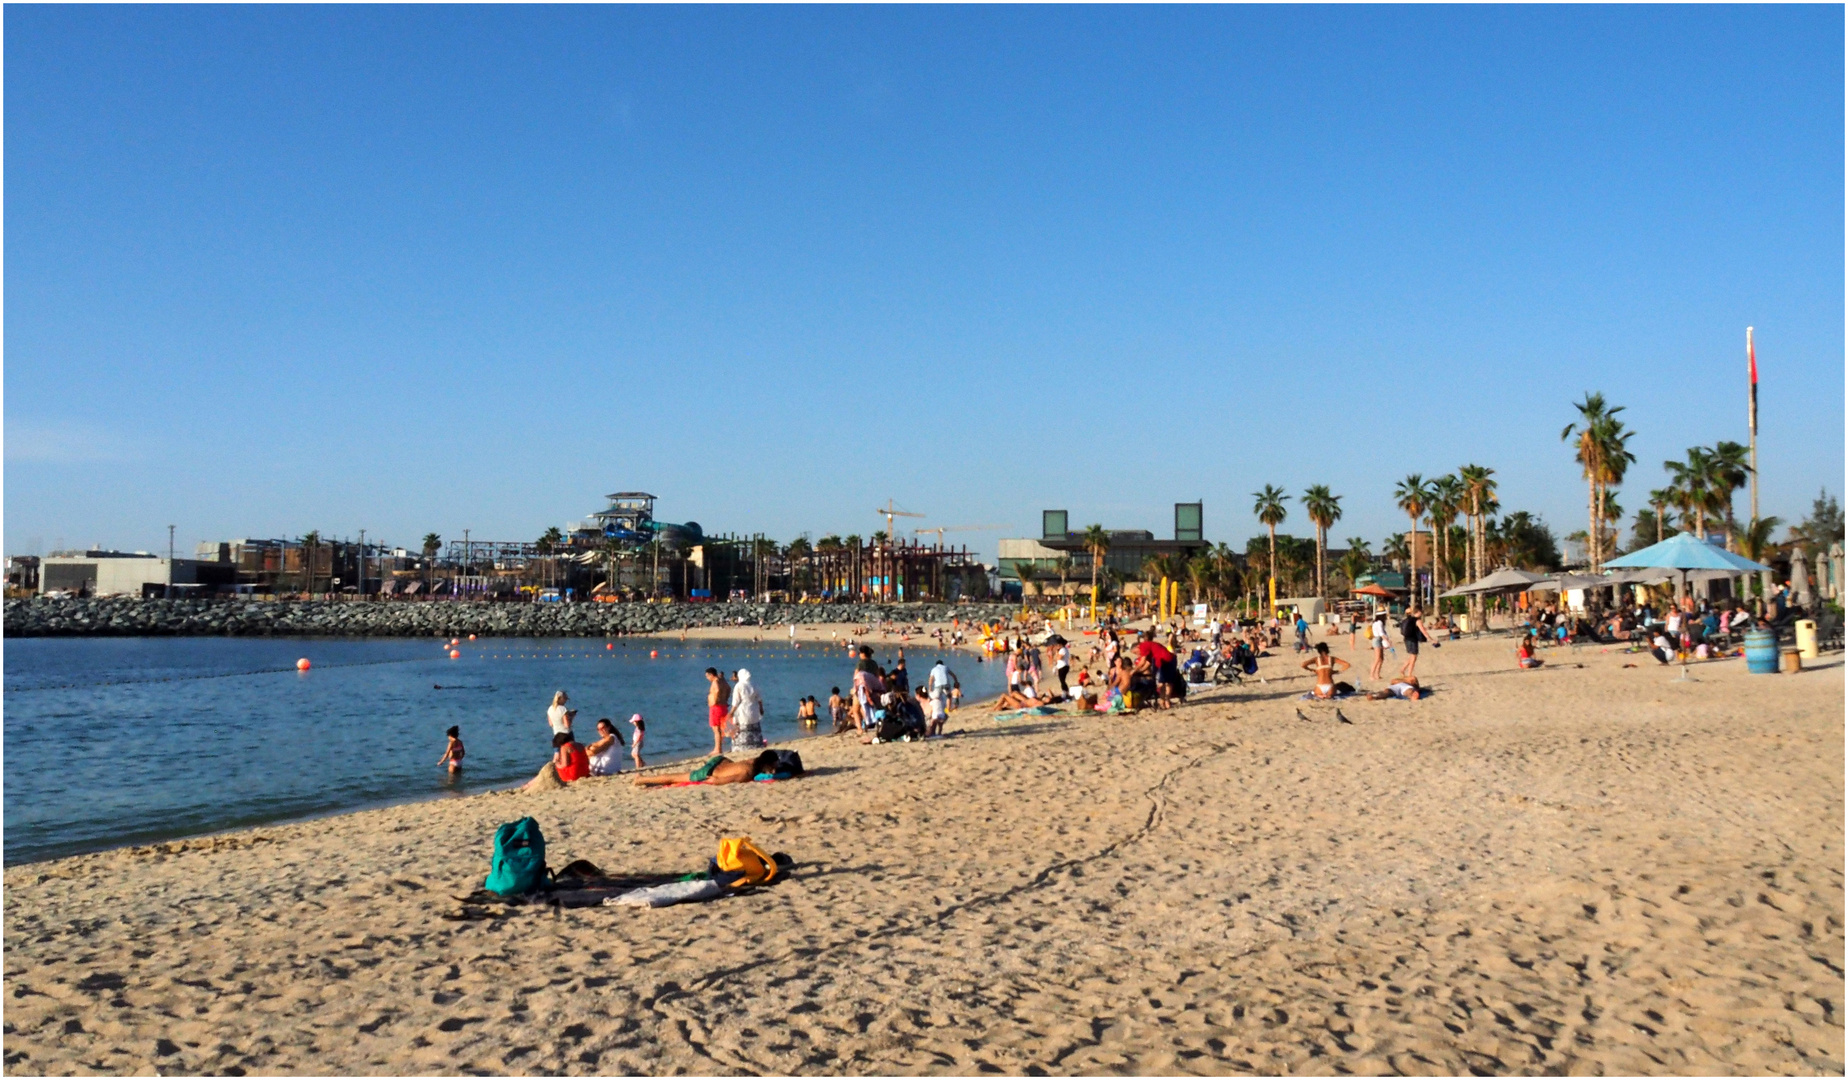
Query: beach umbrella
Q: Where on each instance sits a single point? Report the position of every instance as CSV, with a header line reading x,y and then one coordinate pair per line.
x,y
1506,579
1684,552
1375,589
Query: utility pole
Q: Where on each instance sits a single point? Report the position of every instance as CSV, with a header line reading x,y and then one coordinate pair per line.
x,y
465,560
169,594
362,564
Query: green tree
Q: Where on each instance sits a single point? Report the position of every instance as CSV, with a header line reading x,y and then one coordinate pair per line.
x,y
1732,469
311,551
1324,509
1097,542
1600,445
1413,495
1823,526
432,543
1696,479
1271,513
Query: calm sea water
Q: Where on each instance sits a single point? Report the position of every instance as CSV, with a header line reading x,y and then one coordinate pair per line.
x,y
115,741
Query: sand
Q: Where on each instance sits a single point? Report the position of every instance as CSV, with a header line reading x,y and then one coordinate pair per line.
x,y
1578,869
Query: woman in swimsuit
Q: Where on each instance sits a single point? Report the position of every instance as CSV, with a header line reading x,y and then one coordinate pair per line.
x,y
1323,665
452,756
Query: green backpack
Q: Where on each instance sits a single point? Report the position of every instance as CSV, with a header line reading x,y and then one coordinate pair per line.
x,y
518,866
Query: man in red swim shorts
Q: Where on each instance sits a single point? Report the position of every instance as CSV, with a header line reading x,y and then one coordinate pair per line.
x,y
718,707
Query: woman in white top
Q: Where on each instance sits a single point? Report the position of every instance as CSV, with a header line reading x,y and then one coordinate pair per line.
x,y
559,717
604,759
747,714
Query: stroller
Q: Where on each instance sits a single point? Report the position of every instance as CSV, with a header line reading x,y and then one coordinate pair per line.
x,y
1235,665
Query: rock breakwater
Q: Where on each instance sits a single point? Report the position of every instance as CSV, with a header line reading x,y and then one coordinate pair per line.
x,y
122,616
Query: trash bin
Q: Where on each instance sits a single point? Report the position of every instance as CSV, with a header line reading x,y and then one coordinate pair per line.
x,y
1806,638
1793,661
1761,652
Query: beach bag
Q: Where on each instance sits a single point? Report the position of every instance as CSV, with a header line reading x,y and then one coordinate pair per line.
x,y
741,864
788,761
518,864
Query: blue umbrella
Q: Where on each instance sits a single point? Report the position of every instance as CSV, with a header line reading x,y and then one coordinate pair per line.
x,y
1684,552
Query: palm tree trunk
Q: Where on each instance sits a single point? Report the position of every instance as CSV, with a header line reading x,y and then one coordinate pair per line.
x,y
1273,570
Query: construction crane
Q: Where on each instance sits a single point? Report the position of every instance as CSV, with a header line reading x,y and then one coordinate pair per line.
x,y
941,529
891,510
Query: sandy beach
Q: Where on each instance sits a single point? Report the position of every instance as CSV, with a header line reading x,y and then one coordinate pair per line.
x,y
1590,868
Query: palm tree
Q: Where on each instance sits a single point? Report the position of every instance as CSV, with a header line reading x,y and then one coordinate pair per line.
x,y
1271,512
1731,469
1413,495
1397,550
1598,436
546,544
432,543
1063,564
1324,509
1200,574
1756,537
1446,504
311,547
1695,479
1025,571
1097,542
1357,561
1478,489
1660,499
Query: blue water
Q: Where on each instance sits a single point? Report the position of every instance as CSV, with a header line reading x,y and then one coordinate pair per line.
x,y
115,741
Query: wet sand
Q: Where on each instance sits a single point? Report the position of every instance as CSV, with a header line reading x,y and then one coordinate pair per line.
x,y
1577,869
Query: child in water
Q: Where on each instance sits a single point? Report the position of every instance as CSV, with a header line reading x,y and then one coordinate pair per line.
x,y
454,753
638,726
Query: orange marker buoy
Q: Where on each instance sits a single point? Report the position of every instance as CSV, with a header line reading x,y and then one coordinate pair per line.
x,y
455,654
609,646
652,654
302,664
471,637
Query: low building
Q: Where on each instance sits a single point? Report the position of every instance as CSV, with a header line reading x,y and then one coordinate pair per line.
x,y
1129,548
127,573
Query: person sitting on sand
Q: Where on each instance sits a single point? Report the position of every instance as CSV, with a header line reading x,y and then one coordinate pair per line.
x,y
1663,649
718,769
1323,665
601,754
1524,652
569,763
453,754
1405,687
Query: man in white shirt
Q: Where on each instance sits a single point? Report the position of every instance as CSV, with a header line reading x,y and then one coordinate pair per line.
x,y
939,683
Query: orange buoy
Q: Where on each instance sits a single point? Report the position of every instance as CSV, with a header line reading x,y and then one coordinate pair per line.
x,y
302,664
471,637
609,646
652,654
455,654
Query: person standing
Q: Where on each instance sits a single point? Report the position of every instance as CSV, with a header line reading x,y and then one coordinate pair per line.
x,y
747,714
718,697
938,683
1062,664
558,717
1411,633
1378,633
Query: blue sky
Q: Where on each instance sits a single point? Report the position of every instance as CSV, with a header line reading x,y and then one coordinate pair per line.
x,y
414,269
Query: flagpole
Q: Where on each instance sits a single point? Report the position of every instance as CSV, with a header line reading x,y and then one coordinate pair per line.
x,y
1751,365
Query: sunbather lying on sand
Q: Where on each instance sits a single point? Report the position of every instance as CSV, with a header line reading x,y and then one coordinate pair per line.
x,y
717,770
1406,688
1016,700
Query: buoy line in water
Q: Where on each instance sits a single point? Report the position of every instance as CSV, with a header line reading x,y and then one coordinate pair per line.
x,y
291,669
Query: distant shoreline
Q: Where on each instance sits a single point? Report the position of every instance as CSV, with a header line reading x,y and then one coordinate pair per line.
x,y
133,617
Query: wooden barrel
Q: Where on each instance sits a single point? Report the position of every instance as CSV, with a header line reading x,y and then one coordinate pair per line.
x,y
1761,652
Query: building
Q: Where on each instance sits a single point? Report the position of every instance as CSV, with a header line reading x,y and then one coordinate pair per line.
x,y
127,573
1129,548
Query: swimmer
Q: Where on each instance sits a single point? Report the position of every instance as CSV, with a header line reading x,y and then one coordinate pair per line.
x,y
454,753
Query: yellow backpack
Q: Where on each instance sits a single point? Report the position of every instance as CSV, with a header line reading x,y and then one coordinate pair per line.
x,y
744,863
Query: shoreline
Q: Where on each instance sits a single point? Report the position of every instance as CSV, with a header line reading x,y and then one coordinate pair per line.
x,y
238,617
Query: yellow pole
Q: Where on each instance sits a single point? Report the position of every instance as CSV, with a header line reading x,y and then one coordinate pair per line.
x,y
1273,597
